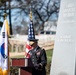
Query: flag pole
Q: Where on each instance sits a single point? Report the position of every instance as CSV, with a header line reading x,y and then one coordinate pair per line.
x,y
4,16
6,72
7,26
28,47
30,14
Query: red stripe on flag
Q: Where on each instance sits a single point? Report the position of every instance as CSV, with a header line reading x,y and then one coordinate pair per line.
x,y
28,47
28,55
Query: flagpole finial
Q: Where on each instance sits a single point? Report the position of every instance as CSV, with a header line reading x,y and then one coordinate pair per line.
x,y
30,14
4,16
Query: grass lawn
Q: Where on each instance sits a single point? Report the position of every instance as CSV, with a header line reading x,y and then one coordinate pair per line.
x,y
48,53
18,56
49,58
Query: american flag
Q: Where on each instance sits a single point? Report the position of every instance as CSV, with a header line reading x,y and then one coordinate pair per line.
x,y
31,36
28,48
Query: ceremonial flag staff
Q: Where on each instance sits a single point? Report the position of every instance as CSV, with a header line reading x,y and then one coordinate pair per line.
x,y
4,49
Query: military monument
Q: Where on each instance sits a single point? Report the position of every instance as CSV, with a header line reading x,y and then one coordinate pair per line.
x,y
64,54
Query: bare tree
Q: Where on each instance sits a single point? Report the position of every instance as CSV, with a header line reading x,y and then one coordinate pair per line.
x,y
43,10
3,9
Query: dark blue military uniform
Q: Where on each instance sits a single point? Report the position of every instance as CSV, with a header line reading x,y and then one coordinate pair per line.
x,y
39,60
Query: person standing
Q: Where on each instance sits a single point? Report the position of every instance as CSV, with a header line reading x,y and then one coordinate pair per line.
x,y
37,54
38,58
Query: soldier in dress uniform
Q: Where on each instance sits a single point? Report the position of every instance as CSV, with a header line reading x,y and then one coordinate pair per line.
x,y
38,58
37,54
